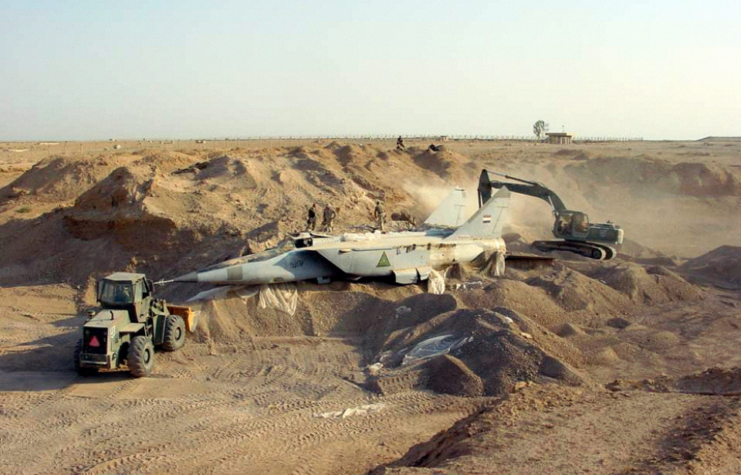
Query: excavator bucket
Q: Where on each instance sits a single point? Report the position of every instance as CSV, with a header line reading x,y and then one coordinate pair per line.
x,y
190,317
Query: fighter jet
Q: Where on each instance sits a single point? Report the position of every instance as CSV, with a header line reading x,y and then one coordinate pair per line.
x,y
408,256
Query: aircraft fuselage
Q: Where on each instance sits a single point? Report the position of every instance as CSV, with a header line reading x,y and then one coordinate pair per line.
x,y
409,256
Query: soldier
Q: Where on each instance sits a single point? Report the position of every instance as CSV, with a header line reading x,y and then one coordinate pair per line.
x,y
400,144
329,215
313,212
379,214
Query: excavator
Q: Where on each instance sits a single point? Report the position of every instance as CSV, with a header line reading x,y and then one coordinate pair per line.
x,y
572,228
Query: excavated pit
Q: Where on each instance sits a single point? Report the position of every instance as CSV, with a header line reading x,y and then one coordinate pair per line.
x,y
338,385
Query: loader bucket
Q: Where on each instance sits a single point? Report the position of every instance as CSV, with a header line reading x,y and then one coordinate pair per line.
x,y
190,318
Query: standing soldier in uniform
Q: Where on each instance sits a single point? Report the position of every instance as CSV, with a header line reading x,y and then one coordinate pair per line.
x,y
311,222
379,214
400,144
329,215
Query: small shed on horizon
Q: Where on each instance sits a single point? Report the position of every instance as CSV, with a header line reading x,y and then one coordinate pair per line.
x,y
562,138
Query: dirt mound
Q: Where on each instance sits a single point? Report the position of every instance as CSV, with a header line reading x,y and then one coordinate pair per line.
x,y
169,162
647,339
649,286
441,163
347,154
459,442
238,317
121,189
408,313
116,207
645,173
337,310
569,329
59,178
574,291
525,299
712,381
449,375
349,312
490,344
706,179
721,264
635,250
605,357
229,169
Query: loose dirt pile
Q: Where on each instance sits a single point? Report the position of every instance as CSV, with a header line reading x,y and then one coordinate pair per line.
x,y
576,292
58,179
713,381
646,285
488,346
719,265
497,349
645,174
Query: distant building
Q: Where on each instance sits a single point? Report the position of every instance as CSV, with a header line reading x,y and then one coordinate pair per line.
x,y
559,137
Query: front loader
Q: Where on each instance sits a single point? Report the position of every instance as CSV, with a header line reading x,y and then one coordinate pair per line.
x,y
128,327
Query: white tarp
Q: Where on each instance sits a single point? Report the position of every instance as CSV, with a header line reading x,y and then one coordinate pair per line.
x,y
279,296
499,264
495,265
282,297
436,283
352,411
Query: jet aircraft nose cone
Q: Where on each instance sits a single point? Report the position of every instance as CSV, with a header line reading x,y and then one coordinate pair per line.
x,y
190,277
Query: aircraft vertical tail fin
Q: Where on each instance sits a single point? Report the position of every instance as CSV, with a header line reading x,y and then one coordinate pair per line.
x,y
451,212
488,221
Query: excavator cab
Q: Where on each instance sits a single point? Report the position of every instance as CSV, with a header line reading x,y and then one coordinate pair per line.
x,y
571,224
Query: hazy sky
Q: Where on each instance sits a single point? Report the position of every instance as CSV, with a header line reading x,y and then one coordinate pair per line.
x,y
186,69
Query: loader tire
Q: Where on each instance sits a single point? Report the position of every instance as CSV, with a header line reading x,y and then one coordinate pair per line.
x,y
174,333
81,370
141,356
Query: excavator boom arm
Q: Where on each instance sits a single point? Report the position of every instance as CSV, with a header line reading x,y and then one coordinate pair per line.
x,y
530,188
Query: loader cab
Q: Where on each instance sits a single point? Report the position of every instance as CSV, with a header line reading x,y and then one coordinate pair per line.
x,y
126,291
571,224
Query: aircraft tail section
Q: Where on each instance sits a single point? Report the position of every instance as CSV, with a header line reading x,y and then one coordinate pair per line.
x,y
451,212
488,221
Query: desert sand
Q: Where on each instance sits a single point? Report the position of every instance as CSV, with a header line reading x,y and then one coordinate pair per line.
x,y
572,366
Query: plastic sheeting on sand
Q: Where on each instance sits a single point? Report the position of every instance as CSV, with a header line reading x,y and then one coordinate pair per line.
x,y
279,296
436,283
283,297
431,347
496,268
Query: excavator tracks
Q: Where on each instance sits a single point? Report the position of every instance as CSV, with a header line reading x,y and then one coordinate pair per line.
x,y
598,252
